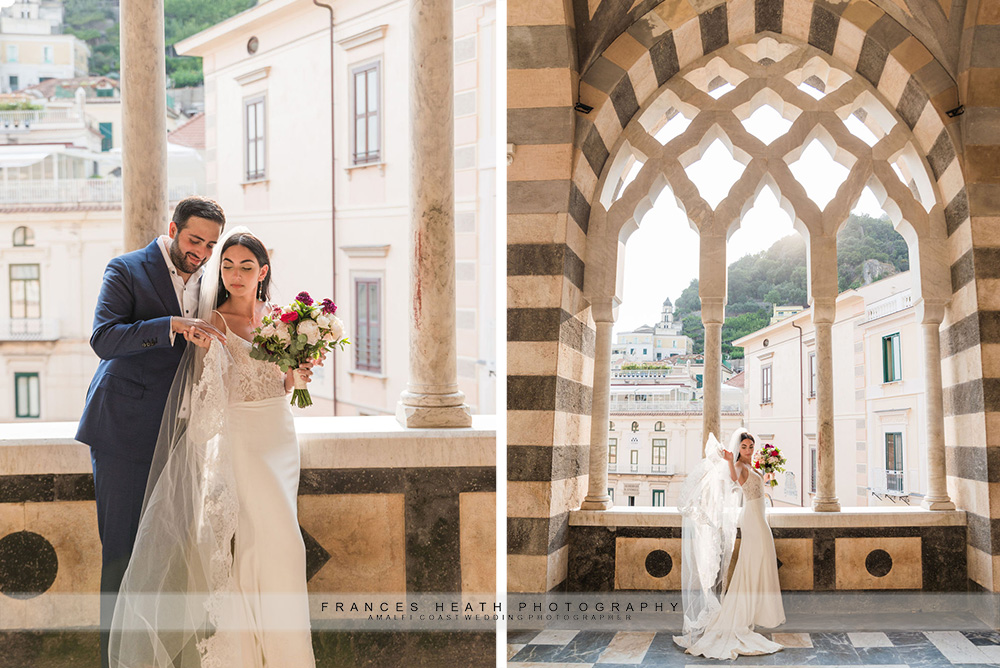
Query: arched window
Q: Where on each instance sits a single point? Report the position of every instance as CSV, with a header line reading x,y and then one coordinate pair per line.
x,y
635,426
23,236
658,426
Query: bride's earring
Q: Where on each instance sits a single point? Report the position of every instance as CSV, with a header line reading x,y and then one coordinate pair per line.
x,y
260,289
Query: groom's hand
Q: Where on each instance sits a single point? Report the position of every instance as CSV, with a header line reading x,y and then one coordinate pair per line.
x,y
196,331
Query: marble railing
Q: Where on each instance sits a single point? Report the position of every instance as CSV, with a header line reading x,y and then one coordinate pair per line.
x,y
872,549
384,511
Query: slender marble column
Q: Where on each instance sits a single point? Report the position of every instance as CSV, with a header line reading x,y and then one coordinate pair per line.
x,y
597,489
937,498
432,397
144,122
712,292
823,286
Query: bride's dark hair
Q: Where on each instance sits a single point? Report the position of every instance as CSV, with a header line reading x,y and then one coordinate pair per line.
x,y
254,245
745,436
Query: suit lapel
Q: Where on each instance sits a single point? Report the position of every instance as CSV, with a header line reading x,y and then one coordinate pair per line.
x,y
159,276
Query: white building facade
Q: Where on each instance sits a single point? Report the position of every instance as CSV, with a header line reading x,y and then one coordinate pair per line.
x,y
269,156
33,48
879,401
653,343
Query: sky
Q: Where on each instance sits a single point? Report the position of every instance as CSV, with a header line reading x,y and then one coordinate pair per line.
x,y
661,257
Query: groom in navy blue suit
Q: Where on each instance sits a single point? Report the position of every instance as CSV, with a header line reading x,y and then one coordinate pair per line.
x,y
148,297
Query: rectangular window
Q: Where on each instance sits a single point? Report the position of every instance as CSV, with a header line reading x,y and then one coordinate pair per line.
x,y
106,137
659,498
367,134
612,450
26,395
13,82
12,53
611,493
105,92
894,462
659,452
47,54
813,469
631,500
25,291
368,324
812,374
254,154
765,384
891,362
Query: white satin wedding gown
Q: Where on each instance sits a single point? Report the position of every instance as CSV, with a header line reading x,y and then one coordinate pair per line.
x,y
754,594
269,565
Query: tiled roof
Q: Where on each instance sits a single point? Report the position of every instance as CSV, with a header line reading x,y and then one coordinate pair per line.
x,y
736,380
191,133
47,89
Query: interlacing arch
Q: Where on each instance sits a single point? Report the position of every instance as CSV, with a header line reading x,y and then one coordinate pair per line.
x,y
811,104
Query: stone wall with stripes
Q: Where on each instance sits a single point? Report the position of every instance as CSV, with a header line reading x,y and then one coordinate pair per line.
x,y
560,156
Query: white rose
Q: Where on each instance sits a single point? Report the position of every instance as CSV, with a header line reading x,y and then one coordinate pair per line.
x,y
323,321
283,335
311,330
336,329
268,330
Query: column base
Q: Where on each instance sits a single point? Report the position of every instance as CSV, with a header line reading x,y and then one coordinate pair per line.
x,y
597,503
429,417
826,505
943,503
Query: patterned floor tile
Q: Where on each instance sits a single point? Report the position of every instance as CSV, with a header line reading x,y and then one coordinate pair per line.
x,y
512,650
553,637
956,647
792,639
869,639
982,638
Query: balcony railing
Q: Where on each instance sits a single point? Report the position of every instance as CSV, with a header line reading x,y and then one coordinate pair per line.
x,y
888,482
78,190
619,406
889,305
29,329
25,119
612,468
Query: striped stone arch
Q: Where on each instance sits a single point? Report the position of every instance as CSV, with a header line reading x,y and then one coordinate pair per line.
x,y
861,37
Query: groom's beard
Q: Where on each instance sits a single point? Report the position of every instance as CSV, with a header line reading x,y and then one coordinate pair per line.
x,y
181,261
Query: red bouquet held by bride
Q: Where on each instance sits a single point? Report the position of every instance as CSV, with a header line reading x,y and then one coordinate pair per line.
x,y
296,334
769,460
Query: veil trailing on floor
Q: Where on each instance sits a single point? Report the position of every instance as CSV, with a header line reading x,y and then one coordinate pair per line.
x,y
173,605
710,505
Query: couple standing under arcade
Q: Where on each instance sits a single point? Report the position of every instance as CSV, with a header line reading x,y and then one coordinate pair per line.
x,y
195,457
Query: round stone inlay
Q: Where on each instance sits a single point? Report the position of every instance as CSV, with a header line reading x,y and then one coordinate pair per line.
x,y
659,564
878,563
28,565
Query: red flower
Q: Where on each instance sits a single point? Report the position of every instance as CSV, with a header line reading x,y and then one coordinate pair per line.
x,y
756,464
291,316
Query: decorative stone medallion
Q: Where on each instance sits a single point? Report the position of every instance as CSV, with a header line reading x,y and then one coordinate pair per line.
x,y
28,565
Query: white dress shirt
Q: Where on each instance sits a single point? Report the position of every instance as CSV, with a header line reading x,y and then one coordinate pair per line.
x,y
188,291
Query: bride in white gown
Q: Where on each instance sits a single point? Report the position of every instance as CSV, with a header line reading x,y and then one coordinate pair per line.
x,y
724,630
217,576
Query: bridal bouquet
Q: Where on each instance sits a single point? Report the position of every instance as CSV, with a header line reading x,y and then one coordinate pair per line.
x,y
769,460
296,334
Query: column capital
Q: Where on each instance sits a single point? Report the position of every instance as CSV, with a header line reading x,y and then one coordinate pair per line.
x,y
930,311
605,309
713,310
824,311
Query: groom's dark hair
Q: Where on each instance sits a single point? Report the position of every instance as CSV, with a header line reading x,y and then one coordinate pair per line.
x,y
199,206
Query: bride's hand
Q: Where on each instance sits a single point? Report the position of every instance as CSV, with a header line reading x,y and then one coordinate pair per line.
x,y
727,455
195,336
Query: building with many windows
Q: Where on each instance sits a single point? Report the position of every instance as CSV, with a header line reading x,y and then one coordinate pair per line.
x,y
268,158
33,48
878,398
653,343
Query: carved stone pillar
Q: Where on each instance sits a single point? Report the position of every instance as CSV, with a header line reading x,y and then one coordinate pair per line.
x,y
823,289
597,489
144,122
930,316
432,397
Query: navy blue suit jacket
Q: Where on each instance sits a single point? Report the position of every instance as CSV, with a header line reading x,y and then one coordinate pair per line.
x,y
132,337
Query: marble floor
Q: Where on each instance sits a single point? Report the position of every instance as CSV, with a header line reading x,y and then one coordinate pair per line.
x,y
889,649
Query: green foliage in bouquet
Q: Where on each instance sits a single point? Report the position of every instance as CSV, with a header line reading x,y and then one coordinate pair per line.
x,y
297,334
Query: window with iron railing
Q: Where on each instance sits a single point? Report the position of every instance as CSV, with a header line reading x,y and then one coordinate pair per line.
x,y
612,451
894,462
659,452
366,138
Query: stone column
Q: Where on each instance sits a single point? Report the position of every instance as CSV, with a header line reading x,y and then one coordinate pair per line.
x,y
930,316
144,122
823,289
712,292
432,397
597,489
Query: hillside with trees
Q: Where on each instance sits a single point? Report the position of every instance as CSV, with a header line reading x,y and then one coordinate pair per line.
x,y
868,249
96,23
